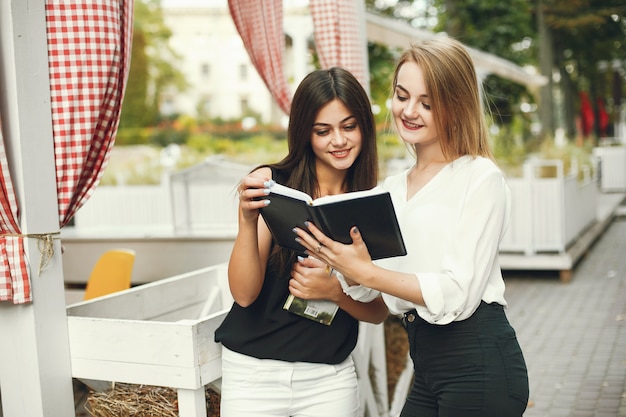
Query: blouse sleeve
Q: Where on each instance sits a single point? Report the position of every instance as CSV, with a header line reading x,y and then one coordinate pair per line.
x,y
357,292
470,258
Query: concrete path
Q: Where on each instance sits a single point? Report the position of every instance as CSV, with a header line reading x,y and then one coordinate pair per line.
x,y
573,334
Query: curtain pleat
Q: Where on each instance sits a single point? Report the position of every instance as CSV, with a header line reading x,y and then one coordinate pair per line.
x,y
260,25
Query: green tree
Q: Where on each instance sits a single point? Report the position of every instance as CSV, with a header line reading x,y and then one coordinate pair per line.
x,y
504,29
587,36
381,61
152,67
135,112
584,41
382,58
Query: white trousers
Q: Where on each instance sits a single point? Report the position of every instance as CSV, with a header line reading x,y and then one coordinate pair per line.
x,y
254,387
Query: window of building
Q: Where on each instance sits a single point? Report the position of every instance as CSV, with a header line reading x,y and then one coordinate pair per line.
x,y
243,72
204,107
245,106
205,70
167,106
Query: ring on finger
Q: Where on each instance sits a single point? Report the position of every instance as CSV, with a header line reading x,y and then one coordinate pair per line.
x,y
318,248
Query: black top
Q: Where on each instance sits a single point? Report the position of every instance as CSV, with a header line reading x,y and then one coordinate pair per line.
x,y
265,330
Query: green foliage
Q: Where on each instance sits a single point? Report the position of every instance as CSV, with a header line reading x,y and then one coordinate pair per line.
x,y
569,154
510,145
503,99
152,68
420,14
168,135
133,136
584,34
135,165
381,66
492,26
587,35
509,148
135,111
510,151
256,149
390,146
504,29
265,144
200,142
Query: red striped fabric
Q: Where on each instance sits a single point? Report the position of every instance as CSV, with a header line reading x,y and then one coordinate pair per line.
x,y
338,38
260,25
14,282
89,57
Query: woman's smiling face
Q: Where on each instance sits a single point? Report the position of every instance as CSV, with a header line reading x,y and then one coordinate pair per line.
x,y
411,107
336,136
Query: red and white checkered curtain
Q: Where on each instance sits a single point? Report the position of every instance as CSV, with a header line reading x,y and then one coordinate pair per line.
x,y
14,282
88,58
339,40
260,25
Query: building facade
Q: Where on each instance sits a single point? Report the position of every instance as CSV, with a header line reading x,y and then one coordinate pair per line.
x,y
223,81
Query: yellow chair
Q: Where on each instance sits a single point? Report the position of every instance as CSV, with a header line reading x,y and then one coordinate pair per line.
x,y
111,273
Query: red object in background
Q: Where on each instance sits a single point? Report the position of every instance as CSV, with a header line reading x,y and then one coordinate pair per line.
x,y
586,114
603,117
338,39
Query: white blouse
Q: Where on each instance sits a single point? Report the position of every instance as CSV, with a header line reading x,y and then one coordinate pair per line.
x,y
452,228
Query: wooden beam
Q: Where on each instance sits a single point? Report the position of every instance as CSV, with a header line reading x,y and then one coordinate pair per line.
x,y
35,366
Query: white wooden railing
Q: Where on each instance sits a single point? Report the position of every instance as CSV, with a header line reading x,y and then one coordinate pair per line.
x,y
548,214
208,206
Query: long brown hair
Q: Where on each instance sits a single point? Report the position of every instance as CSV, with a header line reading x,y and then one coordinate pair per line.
x,y
316,90
454,91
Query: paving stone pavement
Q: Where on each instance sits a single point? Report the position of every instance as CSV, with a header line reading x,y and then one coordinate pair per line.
x,y
573,334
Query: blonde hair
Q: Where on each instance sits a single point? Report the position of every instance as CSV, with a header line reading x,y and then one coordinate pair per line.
x,y
454,93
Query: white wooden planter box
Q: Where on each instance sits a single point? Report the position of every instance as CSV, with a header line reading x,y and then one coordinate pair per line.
x,y
548,214
156,334
161,333
611,162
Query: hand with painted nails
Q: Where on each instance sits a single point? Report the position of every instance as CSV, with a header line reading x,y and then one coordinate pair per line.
x,y
311,279
352,260
251,190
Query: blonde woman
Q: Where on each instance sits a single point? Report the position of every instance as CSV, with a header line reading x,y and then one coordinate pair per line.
x,y
453,207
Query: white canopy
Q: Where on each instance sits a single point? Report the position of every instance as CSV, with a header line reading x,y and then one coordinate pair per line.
x,y
400,34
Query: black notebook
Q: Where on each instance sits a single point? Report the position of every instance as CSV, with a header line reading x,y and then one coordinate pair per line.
x,y
371,211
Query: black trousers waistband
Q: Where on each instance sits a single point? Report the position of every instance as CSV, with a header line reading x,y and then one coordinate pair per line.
x,y
412,316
